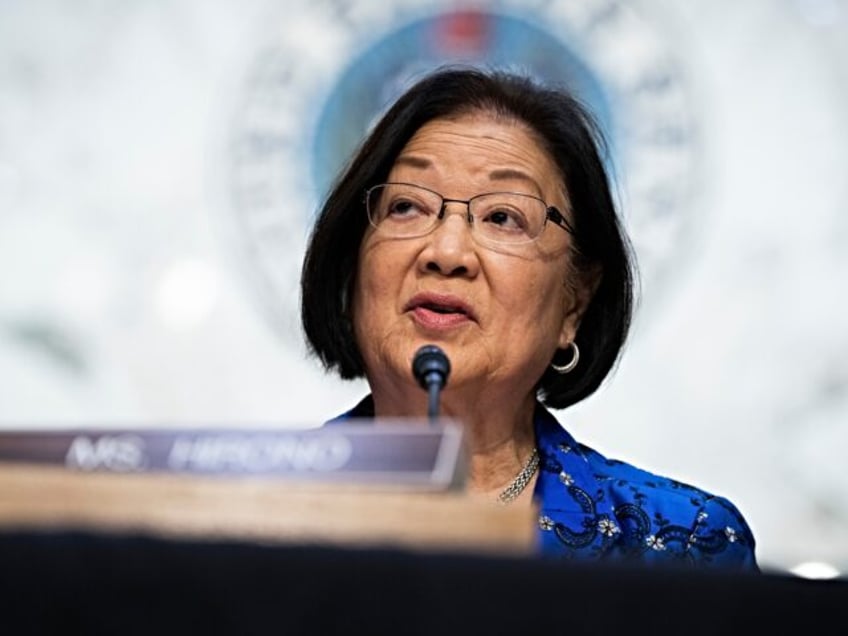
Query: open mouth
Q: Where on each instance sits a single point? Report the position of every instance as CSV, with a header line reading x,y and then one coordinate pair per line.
x,y
444,309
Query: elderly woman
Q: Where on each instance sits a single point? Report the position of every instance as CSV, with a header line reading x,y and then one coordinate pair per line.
x,y
477,216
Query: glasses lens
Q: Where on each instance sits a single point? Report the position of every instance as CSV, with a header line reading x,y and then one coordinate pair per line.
x,y
507,217
403,210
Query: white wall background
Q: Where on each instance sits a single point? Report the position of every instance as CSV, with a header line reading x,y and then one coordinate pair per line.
x,y
124,299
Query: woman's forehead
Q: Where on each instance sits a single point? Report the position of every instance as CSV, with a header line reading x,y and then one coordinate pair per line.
x,y
476,127
482,145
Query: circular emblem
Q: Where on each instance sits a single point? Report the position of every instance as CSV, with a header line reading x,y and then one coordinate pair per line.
x,y
327,70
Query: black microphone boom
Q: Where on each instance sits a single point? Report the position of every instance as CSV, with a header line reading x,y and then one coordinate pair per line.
x,y
431,368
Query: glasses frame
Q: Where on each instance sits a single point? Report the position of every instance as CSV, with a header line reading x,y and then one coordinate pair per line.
x,y
552,213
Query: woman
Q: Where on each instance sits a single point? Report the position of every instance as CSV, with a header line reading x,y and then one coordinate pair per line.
x,y
477,216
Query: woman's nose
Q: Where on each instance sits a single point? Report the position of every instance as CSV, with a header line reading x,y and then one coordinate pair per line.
x,y
451,250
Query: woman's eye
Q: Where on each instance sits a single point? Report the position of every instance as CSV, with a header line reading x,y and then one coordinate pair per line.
x,y
506,219
404,208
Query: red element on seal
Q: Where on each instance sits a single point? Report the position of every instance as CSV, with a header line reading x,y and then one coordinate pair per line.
x,y
461,33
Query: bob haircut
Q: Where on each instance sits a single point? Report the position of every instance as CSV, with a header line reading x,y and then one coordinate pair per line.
x,y
599,245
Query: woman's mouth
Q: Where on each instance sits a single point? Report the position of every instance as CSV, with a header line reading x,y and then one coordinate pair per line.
x,y
439,311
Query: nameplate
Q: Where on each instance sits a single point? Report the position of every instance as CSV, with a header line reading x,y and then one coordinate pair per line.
x,y
397,453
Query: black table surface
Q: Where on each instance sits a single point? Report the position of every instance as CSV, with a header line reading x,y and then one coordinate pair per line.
x,y
82,582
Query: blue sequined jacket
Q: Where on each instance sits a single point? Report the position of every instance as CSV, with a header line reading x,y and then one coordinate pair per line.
x,y
592,507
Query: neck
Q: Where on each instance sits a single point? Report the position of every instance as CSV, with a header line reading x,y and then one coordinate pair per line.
x,y
498,431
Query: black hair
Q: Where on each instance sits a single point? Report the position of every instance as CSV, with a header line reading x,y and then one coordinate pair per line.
x,y
573,139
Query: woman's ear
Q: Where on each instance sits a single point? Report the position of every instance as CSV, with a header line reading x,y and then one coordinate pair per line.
x,y
580,289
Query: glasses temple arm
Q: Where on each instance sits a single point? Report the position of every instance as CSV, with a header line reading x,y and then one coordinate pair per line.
x,y
557,217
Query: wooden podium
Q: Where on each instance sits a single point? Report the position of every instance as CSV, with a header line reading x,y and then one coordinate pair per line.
x,y
400,486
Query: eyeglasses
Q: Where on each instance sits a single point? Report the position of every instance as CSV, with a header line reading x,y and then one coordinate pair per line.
x,y
405,210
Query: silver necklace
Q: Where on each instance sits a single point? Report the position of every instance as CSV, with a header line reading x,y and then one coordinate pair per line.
x,y
521,479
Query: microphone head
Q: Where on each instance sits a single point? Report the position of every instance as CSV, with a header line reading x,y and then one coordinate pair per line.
x,y
430,364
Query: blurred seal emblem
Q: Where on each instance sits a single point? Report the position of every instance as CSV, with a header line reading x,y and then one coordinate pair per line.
x,y
325,71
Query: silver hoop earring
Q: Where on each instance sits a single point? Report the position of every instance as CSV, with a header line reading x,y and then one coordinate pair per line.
x,y
570,366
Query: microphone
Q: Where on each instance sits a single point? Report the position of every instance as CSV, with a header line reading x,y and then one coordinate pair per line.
x,y
431,368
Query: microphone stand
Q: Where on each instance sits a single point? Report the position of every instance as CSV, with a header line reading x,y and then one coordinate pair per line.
x,y
433,393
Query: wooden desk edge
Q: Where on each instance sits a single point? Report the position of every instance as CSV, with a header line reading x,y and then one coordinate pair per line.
x,y
256,509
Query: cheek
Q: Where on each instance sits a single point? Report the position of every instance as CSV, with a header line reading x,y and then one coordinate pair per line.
x,y
378,278
538,300
539,292
377,287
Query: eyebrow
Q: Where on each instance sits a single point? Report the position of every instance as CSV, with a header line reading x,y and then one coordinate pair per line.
x,y
504,174
413,161
501,174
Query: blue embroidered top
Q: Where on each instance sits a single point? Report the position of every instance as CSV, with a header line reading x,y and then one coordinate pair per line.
x,y
592,507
